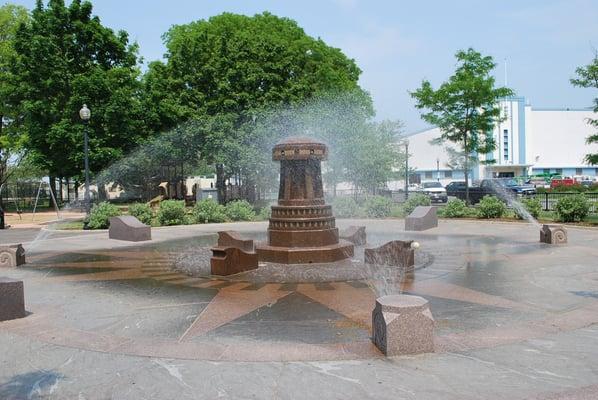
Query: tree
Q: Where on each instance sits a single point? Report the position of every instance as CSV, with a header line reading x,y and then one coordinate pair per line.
x,y
587,77
64,58
465,107
230,69
457,159
375,155
11,137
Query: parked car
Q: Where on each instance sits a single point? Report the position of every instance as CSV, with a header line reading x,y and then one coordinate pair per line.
x,y
435,191
561,181
509,184
454,187
500,187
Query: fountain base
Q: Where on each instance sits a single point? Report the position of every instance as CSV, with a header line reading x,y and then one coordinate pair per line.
x,y
305,255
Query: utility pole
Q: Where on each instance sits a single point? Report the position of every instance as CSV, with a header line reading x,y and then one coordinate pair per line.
x,y
406,170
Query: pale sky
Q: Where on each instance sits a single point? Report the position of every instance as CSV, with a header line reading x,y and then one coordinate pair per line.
x,y
398,43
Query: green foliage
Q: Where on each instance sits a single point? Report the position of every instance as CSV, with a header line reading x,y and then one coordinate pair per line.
x,y
345,207
414,201
64,58
264,214
397,211
532,205
465,107
100,214
11,135
587,77
142,212
572,208
491,207
239,210
377,207
372,156
455,208
239,76
172,212
208,211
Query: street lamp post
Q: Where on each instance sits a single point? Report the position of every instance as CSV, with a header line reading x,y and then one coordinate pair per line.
x,y
85,115
438,169
406,170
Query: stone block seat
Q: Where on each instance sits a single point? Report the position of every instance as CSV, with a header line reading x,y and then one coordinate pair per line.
x,y
355,235
553,234
396,252
129,228
12,299
233,254
12,256
421,219
402,325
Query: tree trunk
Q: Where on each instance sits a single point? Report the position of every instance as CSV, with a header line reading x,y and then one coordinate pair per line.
x,y
102,195
52,182
60,190
220,185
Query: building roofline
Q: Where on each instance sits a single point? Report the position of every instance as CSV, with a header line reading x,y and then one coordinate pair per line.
x,y
561,109
421,131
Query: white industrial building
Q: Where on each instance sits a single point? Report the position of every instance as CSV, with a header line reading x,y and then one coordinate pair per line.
x,y
529,141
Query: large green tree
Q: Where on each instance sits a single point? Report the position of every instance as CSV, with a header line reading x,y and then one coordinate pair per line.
x,y
64,58
11,137
230,69
466,106
587,77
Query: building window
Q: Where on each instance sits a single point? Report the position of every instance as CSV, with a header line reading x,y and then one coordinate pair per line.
x,y
505,140
546,171
559,171
448,174
578,171
428,175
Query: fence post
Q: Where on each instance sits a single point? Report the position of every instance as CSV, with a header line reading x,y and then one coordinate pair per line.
x,y
546,201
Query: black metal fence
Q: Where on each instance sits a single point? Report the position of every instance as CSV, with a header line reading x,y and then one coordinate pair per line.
x,y
549,200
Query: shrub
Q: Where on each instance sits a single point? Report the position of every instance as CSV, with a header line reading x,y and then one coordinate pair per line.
x,y
240,210
142,212
414,201
345,207
397,211
208,210
265,213
172,212
100,214
491,207
532,205
377,207
455,208
572,208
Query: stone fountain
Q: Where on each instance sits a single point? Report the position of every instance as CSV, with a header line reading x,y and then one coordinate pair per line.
x,y
302,227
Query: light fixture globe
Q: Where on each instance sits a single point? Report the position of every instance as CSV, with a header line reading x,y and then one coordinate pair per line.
x,y
85,113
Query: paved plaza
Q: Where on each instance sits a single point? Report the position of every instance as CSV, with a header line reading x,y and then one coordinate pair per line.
x,y
515,319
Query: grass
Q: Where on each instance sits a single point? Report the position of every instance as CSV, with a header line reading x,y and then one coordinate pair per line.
x,y
69,225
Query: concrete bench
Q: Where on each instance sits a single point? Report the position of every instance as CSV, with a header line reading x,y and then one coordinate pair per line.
x,y
233,239
421,219
396,252
129,228
12,299
355,235
233,254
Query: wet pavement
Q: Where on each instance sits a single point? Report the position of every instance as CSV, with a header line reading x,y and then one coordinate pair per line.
x,y
515,319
